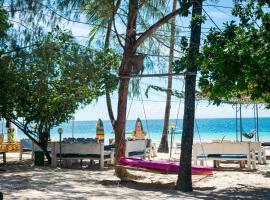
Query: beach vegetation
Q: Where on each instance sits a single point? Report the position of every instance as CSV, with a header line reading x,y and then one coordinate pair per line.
x,y
234,64
43,85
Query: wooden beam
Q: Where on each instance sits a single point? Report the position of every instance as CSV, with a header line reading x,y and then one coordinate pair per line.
x,y
156,75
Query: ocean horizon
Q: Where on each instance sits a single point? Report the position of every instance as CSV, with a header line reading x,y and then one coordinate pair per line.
x,y
206,129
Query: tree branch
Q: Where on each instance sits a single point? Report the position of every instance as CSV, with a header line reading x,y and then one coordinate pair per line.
x,y
117,35
155,26
165,45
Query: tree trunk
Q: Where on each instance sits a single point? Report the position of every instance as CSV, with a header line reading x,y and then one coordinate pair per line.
x,y
184,182
47,154
108,97
125,70
163,146
43,144
106,46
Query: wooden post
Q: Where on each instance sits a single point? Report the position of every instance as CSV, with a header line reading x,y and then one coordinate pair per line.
x,y
242,164
236,122
257,122
33,150
241,124
4,158
21,149
258,145
253,159
54,159
248,161
101,155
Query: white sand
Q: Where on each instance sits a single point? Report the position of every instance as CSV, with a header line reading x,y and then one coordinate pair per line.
x,y
21,180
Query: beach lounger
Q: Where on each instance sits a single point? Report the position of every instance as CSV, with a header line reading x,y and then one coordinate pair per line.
x,y
235,151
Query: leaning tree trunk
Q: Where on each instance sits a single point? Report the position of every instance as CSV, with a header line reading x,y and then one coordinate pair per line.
x,y
43,135
125,70
163,146
108,97
106,46
130,48
184,182
43,143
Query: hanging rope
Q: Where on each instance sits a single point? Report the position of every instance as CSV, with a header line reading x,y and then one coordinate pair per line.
x,y
179,105
177,117
130,106
144,113
196,125
173,133
257,121
198,132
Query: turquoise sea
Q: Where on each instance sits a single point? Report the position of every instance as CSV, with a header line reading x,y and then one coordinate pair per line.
x,y
206,129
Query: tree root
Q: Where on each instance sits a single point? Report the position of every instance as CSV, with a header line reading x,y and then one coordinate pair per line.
x,y
124,175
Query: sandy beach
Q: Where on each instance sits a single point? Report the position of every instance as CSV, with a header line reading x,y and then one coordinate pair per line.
x,y
22,180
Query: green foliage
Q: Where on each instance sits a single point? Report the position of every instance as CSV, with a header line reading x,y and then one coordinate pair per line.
x,y
235,64
184,43
180,65
251,11
4,25
46,83
198,19
185,5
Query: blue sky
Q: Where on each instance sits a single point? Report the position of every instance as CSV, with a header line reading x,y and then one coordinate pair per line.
x,y
155,104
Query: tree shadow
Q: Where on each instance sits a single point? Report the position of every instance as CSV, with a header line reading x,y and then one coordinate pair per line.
x,y
266,174
234,169
51,182
240,192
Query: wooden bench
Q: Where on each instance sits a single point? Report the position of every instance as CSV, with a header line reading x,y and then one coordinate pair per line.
x,y
260,152
79,151
3,153
239,151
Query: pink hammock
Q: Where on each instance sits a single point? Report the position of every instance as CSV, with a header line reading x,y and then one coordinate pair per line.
x,y
163,165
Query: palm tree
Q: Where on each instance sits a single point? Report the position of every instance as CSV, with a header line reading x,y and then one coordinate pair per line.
x,y
163,146
184,182
103,19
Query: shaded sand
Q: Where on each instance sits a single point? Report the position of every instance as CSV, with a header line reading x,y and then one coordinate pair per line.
x,y
21,180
